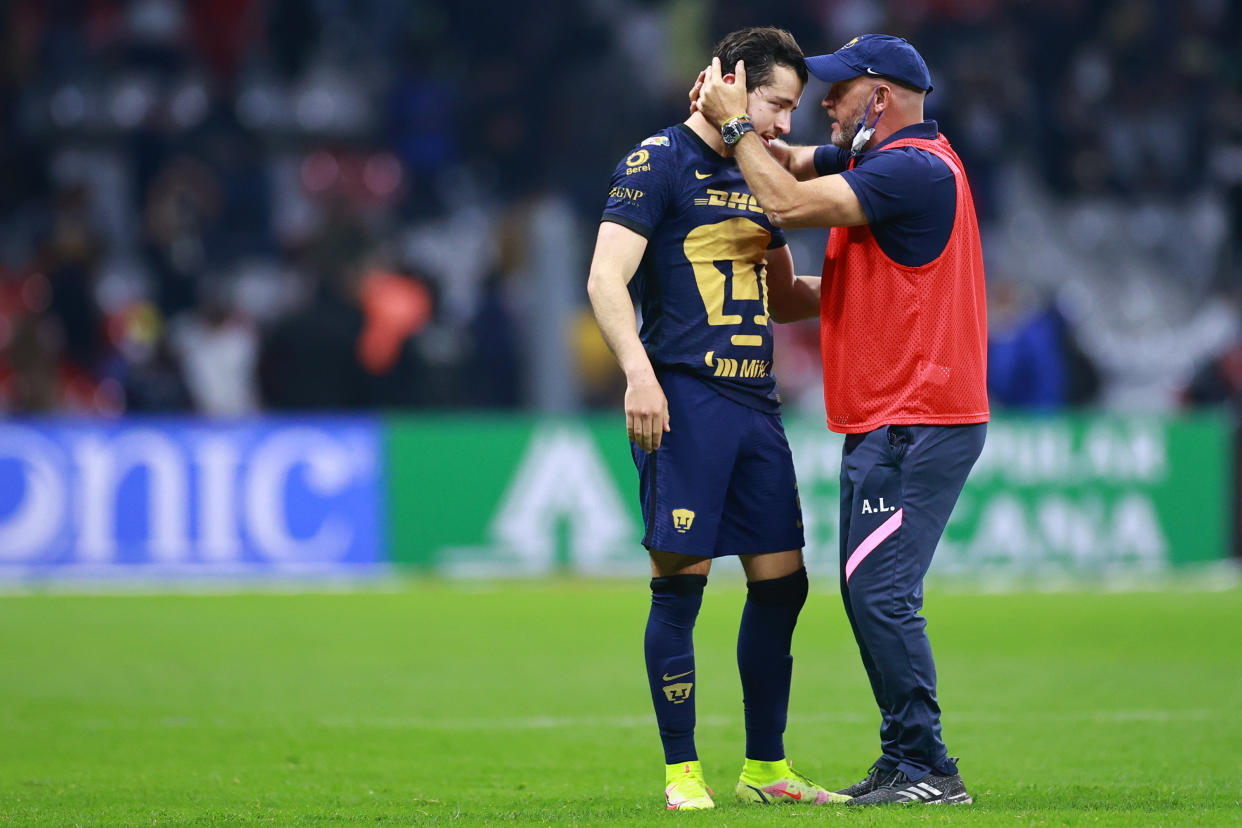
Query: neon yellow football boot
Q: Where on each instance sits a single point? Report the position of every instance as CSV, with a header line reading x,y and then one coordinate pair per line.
x,y
684,788
771,783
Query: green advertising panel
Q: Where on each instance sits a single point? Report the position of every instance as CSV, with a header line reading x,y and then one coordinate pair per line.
x,y
513,496
1050,496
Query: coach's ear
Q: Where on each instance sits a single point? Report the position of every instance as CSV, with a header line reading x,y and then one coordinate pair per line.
x,y
883,97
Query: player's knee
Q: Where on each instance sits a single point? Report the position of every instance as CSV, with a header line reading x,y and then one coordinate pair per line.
x,y
683,585
789,590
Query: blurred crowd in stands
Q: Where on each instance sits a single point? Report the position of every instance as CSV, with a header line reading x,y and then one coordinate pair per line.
x,y
227,206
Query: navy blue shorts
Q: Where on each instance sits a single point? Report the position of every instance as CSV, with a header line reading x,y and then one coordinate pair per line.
x,y
722,481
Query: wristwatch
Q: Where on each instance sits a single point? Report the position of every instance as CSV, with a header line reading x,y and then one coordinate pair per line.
x,y
733,129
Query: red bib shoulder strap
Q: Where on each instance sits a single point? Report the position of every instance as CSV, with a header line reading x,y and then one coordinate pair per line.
x,y
939,147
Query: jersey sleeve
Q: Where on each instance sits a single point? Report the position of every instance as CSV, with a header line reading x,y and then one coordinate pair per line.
x,y
641,188
778,239
897,183
830,159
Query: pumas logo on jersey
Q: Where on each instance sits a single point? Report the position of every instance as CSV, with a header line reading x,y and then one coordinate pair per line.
x,y
655,141
682,520
724,198
867,510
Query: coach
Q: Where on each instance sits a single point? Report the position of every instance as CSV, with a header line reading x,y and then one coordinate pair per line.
x,y
903,335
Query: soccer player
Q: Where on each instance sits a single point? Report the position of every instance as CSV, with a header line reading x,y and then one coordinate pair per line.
x,y
716,477
903,329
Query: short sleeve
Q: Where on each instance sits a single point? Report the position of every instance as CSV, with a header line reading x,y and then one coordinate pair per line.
x,y
641,187
910,199
778,239
897,183
830,159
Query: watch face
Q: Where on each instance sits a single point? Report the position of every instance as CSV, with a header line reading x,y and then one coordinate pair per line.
x,y
733,131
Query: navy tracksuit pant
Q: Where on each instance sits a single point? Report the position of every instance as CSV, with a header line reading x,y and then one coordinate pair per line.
x,y
898,486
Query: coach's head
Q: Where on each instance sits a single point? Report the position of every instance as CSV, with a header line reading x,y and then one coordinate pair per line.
x,y
873,75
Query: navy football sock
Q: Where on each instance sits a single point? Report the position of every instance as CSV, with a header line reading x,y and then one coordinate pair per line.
x,y
669,647
764,662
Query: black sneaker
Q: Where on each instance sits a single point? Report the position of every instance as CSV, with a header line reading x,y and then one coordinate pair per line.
x,y
876,778
930,790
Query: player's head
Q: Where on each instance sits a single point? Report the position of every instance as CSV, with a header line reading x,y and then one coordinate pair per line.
x,y
869,75
775,74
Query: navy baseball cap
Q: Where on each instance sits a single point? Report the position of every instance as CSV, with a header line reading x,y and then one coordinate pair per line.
x,y
873,54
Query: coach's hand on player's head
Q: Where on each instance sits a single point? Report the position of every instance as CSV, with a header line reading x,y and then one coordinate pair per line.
x,y
694,91
722,96
646,413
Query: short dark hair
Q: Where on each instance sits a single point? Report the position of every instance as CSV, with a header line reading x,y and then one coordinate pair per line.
x,y
762,48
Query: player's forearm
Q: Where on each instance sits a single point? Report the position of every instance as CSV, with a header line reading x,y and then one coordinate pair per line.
x,y
798,300
790,297
614,312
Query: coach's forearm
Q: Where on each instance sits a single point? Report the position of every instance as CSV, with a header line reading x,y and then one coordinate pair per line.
x,y
801,163
825,201
768,180
799,160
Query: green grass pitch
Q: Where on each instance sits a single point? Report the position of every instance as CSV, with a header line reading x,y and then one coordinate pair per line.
x,y
526,703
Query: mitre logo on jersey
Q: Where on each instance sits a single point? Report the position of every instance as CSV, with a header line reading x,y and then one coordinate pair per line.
x,y
678,693
682,518
868,510
727,367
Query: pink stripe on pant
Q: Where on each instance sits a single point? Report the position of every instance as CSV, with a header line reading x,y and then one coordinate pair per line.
x,y
873,540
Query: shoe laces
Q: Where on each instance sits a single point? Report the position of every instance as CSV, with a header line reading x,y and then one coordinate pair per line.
x,y
883,779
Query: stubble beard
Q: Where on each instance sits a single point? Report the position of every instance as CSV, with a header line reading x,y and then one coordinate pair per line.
x,y
844,137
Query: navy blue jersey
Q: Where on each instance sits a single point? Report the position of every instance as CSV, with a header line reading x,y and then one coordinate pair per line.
x,y
702,285
908,196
